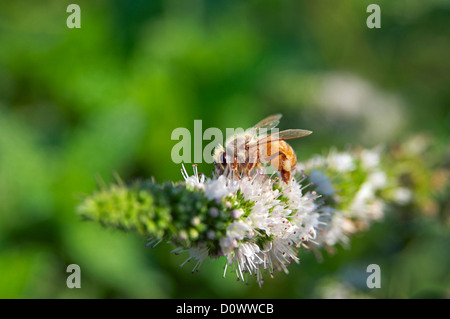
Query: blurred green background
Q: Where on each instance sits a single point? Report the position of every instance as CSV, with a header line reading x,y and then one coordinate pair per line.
x,y
80,104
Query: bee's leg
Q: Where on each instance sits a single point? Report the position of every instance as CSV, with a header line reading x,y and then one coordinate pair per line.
x,y
234,164
234,168
237,174
252,162
250,167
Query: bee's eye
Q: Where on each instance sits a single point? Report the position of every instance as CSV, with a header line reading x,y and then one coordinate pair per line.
x,y
224,158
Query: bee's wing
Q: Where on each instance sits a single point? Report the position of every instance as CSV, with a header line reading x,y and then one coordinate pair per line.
x,y
265,125
269,122
283,135
290,134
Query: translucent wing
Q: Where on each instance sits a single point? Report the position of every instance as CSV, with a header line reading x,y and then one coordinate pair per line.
x,y
269,122
290,134
283,135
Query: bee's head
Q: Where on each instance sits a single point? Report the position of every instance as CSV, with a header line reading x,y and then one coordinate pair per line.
x,y
220,159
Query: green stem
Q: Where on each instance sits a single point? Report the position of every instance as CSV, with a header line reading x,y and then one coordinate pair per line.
x,y
170,211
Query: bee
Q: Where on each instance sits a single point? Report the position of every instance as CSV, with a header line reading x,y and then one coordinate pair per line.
x,y
243,152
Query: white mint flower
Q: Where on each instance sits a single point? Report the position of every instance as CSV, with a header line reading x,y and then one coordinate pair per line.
x,y
370,158
195,180
272,220
259,222
197,253
378,179
238,230
337,228
246,259
342,162
227,244
403,196
217,189
282,252
347,208
236,213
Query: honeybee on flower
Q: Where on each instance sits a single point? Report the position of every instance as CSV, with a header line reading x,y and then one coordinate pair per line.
x,y
246,151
